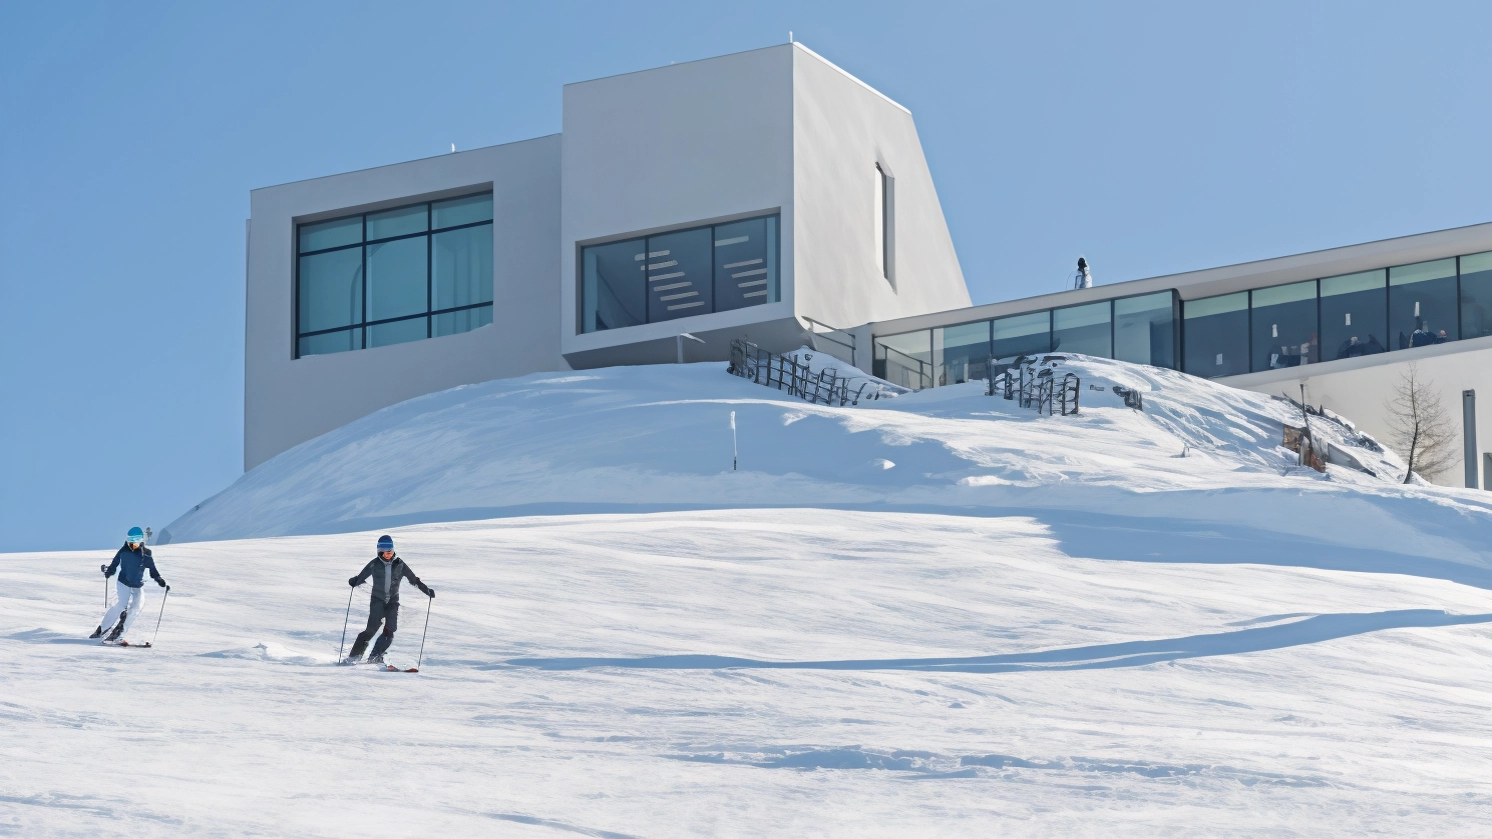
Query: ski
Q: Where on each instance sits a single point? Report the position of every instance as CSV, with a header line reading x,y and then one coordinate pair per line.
x,y
142,645
378,667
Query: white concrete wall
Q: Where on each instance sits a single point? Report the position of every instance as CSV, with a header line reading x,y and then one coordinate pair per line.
x,y
668,148
288,401
842,129
1358,389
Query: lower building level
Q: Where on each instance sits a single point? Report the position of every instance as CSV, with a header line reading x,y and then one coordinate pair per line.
x,y
1346,323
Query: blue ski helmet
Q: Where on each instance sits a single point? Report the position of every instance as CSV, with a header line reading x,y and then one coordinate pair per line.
x,y
135,535
385,543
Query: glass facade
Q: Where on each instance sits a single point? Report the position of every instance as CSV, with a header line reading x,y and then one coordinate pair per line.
x,y
1140,329
1422,304
961,353
1354,314
1476,295
1086,329
905,359
1216,333
1284,332
1145,329
393,276
678,274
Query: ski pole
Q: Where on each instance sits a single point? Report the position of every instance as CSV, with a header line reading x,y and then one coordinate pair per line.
x,y
423,634
345,619
159,616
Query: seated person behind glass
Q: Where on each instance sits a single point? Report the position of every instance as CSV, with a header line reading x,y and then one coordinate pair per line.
x,y
1422,336
1350,348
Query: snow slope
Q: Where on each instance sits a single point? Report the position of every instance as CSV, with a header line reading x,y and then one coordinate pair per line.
x,y
639,439
933,615
947,676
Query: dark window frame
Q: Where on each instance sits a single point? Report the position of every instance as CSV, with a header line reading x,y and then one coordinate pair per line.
x,y
774,295
363,322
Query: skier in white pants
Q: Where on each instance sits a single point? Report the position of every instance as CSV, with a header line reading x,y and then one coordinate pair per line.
x,y
131,561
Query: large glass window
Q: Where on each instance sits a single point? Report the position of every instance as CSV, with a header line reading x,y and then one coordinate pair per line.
x,y
1354,315
905,359
679,274
1085,329
1216,335
1028,334
961,353
1476,295
1284,326
1422,304
1145,329
394,276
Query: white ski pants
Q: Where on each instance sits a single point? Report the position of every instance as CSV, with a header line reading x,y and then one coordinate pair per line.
x,y
129,598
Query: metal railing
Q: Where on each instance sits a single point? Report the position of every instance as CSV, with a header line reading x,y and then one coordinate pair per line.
x,y
826,387
1034,383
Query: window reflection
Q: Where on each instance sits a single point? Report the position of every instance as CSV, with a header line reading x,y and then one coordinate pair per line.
x,y
1476,295
355,291
1028,334
1217,335
905,359
1284,326
1354,314
961,353
1145,329
1083,329
1422,304
679,274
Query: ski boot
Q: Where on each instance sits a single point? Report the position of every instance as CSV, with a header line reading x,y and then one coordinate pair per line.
x,y
98,633
118,628
376,658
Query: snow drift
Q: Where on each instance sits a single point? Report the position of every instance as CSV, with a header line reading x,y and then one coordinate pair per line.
x,y
657,438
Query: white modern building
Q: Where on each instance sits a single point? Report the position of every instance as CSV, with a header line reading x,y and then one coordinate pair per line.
x,y
767,195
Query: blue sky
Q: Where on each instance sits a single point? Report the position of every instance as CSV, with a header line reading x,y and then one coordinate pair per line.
x,y
1150,137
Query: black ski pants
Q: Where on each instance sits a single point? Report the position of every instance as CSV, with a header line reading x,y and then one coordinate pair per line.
x,y
379,612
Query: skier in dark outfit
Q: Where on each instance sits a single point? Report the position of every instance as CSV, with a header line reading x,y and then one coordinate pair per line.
x,y
131,561
386,570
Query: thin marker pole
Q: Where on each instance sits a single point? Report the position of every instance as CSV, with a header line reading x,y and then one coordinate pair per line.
x,y
733,455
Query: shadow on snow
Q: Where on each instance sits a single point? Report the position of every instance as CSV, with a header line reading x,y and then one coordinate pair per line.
x,y
1095,657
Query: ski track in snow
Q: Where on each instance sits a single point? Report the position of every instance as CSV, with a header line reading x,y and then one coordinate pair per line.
x,y
938,614
1208,699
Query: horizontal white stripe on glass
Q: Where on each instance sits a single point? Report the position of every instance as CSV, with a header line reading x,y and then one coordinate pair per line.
x,y
757,272
762,293
751,283
670,285
665,276
732,241
679,296
729,265
669,264
686,305
652,254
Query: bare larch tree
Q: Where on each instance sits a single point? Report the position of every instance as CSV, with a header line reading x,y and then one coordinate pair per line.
x,y
1421,429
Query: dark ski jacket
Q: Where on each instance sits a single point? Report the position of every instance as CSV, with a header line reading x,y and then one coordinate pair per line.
x,y
386,576
131,566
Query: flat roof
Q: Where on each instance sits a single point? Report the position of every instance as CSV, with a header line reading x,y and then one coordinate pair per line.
x,y
1226,279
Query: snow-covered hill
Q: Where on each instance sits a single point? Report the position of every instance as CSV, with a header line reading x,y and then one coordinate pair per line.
x,y
936,615
641,439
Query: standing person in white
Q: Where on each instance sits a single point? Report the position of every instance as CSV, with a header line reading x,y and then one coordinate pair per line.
x,y
131,561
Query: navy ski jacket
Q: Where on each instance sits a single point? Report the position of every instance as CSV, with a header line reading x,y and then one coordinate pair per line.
x,y
386,576
131,566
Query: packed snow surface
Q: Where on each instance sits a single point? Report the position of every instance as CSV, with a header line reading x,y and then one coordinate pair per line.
x,y
935,615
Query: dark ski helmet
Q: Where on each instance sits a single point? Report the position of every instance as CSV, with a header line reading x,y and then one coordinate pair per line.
x,y
385,543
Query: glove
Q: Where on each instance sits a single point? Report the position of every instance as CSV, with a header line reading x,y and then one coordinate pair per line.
x,y
429,592
160,581
352,581
105,569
